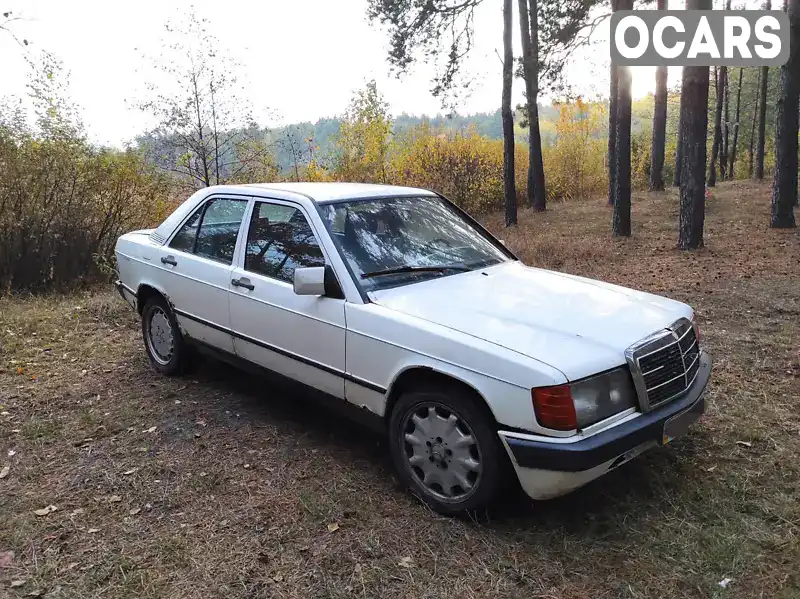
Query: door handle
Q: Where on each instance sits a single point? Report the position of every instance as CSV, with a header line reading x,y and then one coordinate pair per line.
x,y
243,282
169,260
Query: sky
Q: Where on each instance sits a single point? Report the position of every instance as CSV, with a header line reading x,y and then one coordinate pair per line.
x,y
300,60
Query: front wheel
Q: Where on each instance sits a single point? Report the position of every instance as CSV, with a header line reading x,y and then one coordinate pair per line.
x,y
163,341
446,451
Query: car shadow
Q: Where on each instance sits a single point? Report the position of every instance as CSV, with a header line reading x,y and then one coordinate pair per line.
x,y
641,487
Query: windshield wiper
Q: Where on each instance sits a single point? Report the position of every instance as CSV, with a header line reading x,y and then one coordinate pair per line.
x,y
407,268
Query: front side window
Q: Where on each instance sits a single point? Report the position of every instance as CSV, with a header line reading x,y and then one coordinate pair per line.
x,y
395,241
279,240
212,230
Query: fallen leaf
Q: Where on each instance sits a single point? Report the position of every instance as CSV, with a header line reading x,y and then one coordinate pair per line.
x,y
129,472
710,469
406,562
201,422
17,583
135,511
20,370
278,577
725,582
77,512
114,499
11,453
45,510
35,593
91,531
152,429
333,527
4,472
744,443
6,559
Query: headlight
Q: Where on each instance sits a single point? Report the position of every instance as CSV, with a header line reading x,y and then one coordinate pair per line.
x,y
602,396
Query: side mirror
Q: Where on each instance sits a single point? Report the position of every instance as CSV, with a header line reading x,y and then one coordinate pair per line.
x,y
309,280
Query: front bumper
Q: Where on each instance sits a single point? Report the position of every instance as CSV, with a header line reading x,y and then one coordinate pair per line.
x,y
548,469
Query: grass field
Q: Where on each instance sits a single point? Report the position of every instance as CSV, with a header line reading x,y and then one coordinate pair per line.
x,y
218,484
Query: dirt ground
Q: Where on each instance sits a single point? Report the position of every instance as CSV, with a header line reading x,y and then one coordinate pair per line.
x,y
122,483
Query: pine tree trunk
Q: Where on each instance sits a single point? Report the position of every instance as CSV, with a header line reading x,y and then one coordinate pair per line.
x,y
530,66
621,218
694,109
784,183
509,188
753,129
762,116
659,140
676,176
612,124
715,148
735,144
726,121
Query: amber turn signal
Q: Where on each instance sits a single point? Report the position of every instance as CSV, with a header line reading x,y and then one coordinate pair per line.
x,y
554,407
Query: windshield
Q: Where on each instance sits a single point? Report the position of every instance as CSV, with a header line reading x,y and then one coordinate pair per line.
x,y
394,241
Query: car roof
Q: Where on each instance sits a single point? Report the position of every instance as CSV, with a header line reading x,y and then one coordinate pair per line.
x,y
321,192
318,193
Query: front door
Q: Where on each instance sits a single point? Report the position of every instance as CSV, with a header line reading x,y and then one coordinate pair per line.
x,y
299,336
196,270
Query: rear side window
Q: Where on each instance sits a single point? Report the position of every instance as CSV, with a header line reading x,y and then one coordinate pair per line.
x,y
184,239
215,235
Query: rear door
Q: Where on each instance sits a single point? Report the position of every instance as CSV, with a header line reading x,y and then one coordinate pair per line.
x,y
196,268
301,337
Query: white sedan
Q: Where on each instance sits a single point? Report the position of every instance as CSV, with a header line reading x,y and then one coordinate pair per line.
x,y
398,306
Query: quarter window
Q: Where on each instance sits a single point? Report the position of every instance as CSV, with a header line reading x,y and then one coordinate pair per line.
x,y
279,240
215,236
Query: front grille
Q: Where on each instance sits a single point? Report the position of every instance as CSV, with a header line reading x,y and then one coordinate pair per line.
x,y
665,364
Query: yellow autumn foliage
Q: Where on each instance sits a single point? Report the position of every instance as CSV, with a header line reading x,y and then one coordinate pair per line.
x,y
575,165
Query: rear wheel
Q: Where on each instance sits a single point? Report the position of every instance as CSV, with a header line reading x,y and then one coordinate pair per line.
x,y
446,450
163,340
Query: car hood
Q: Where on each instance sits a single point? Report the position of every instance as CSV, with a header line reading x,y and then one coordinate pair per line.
x,y
577,325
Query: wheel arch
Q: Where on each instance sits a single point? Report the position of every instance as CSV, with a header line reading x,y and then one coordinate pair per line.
x,y
424,376
145,292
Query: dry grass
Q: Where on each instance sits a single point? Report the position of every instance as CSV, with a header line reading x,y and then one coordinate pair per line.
x,y
231,495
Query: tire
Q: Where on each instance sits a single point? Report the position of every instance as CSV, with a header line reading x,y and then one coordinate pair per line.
x,y
442,453
162,337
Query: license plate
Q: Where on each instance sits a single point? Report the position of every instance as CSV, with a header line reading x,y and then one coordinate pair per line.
x,y
678,425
